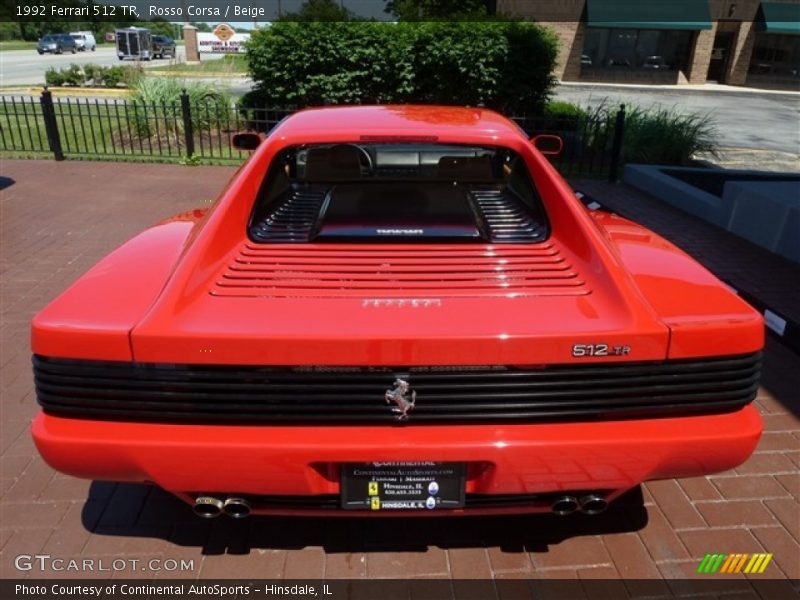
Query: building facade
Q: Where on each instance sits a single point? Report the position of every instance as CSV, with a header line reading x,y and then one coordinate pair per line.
x,y
735,42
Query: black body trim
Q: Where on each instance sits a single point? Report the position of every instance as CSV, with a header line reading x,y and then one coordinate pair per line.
x,y
342,395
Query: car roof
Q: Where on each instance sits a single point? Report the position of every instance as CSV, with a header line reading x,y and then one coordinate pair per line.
x,y
417,120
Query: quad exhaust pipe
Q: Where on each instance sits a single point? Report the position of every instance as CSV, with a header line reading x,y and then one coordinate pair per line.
x,y
591,504
236,507
210,507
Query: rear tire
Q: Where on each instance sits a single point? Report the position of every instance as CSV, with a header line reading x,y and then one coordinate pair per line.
x,y
94,48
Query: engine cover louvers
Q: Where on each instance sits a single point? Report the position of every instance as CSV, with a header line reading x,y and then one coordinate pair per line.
x,y
292,221
505,218
399,271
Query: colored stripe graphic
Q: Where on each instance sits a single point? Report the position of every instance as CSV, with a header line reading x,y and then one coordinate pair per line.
x,y
732,558
734,563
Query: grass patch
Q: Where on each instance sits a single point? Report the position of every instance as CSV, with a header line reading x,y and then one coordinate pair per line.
x,y
105,129
17,45
231,64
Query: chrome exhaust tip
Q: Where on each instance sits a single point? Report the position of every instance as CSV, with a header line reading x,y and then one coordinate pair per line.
x,y
565,505
236,508
208,507
593,504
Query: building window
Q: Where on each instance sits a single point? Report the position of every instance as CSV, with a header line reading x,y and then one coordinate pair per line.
x,y
653,49
776,54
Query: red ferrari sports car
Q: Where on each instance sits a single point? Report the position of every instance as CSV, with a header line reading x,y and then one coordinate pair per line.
x,y
396,310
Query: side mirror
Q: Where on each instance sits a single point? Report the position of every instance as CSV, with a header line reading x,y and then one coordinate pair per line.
x,y
548,144
246,141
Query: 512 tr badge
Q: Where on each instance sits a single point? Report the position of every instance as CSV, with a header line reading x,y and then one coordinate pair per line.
x,y
585,350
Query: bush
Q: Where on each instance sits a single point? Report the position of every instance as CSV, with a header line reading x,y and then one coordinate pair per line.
x,y
115,75
563,116
654,135
73,76
92,75
667,136
53,77
504,65
159,99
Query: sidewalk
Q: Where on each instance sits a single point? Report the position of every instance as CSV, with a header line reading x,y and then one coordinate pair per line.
x,y
709,88
57,219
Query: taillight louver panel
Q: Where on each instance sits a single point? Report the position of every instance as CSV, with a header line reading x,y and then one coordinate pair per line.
x,y
391,271
93,389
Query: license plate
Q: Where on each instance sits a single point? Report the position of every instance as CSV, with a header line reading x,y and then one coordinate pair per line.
x,y
402,485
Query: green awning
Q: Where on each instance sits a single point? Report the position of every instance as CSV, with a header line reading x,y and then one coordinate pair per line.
x,y
648,14
779,17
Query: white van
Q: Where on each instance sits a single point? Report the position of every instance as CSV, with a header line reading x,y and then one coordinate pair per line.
x,y
84,40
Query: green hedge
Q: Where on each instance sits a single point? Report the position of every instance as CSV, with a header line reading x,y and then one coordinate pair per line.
x,y
92,75
503,65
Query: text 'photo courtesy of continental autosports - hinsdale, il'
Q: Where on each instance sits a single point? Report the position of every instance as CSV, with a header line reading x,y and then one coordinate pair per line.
x,y
396,310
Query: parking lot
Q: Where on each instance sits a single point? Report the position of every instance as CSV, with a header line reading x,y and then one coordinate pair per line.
x,y
57,219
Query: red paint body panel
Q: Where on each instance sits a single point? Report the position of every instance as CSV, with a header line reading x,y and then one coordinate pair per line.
x,y
704,317
157,299
93,318
191,325
507,459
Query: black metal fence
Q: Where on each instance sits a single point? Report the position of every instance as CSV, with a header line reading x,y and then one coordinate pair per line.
x,y
201,131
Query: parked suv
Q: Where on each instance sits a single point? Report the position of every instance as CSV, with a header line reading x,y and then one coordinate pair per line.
x,y
84,40
163,46
56,43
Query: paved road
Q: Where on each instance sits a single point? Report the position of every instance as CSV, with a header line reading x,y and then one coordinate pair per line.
x,y
22,67
744,120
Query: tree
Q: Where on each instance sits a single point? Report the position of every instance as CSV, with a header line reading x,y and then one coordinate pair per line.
x,y
320,10
159,26
422,10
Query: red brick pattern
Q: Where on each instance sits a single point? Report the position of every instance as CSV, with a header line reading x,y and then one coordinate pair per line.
x,y
59,218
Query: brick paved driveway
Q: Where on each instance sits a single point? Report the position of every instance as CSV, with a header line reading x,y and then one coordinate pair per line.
x,y
59,218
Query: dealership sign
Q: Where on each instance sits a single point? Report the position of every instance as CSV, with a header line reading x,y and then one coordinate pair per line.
x,y
223,40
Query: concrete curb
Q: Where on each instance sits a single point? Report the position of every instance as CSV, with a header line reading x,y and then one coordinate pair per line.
x,y
703,88
196,74
68,91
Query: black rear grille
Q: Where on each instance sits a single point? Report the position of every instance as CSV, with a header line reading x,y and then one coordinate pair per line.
x,y
337,395
506,218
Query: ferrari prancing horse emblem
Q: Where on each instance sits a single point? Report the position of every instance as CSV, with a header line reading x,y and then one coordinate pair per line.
x,y
398,395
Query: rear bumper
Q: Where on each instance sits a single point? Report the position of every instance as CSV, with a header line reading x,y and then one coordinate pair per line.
x,y
304,461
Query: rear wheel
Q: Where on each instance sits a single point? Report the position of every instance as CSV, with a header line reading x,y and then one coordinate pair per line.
x,y
94,48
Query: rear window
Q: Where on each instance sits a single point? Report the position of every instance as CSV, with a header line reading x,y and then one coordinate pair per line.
x,y
390,193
